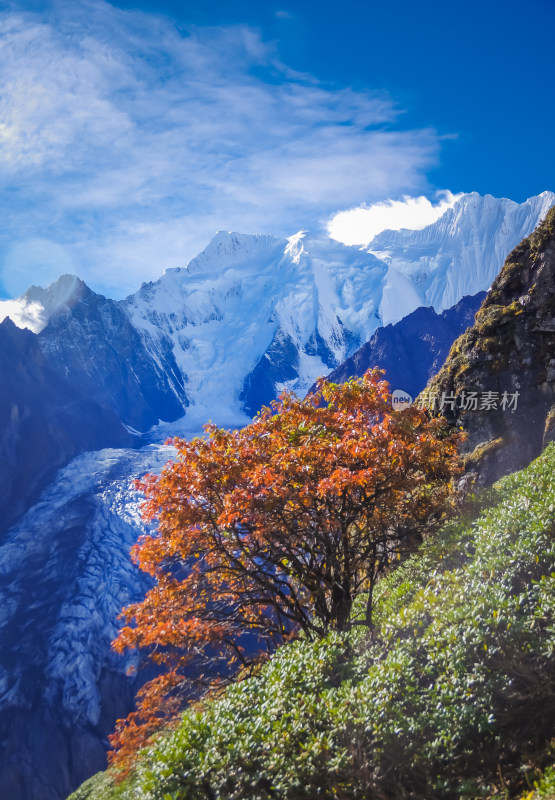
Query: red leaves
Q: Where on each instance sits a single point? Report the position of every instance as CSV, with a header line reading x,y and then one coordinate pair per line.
x,y
277,527
158,704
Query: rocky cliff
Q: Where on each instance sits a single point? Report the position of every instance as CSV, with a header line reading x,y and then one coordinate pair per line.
x,y
45,420
413,350
84,382
498,382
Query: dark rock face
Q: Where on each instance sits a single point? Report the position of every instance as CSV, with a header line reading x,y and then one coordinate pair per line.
x,y
45,420
411,351
509,349
73,388
278,364
93,341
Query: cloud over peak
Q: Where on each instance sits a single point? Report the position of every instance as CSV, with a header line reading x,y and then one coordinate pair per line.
x,y
127,142
360,225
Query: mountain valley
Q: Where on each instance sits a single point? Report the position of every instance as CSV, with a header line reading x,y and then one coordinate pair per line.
x,y
103,383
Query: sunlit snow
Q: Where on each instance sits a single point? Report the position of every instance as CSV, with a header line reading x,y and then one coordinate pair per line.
x,y
65,565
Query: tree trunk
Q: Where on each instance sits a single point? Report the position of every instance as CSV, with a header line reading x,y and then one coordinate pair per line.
x,y
341,605
370,606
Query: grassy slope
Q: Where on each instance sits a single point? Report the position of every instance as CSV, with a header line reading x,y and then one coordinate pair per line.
x,y
455,698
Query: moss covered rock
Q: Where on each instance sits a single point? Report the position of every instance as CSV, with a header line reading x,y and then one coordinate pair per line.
x,y
510,349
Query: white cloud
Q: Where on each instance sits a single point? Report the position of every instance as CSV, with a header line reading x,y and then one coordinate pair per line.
x,y
23,314
360,225
128,142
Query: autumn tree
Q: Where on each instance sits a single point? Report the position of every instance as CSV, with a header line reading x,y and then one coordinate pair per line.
x,y
276,528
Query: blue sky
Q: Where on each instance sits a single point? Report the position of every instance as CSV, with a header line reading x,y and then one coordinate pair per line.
x,y
131,132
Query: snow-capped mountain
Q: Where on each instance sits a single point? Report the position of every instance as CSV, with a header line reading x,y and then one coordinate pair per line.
x,y
214,340
459,254
218,339
252,314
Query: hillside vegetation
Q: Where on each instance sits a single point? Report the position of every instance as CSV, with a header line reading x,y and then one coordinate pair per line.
x,y
453,697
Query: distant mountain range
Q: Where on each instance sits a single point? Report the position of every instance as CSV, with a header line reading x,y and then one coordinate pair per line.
x,y
215,340
218,339
252,314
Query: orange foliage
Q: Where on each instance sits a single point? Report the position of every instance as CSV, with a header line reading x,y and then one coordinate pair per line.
x,y
275,529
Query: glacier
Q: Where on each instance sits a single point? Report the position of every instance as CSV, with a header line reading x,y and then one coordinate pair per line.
x,y
217,339
65,575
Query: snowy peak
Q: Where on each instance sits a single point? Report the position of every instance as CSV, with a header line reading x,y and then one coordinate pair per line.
x,y
63,292
462,252
34,309
292,306
228,247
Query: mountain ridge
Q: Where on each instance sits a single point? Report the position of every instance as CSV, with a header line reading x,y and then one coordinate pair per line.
x,y
64,565
250,316
253,314
412,350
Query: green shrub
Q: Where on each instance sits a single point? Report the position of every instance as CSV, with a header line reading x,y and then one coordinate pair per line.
x,y
451,696
99,787
545,789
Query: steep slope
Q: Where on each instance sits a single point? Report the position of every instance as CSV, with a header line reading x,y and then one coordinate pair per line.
x,y
65,574
451,698
82,383
413,350
510,349
461,253
90,339
45,420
